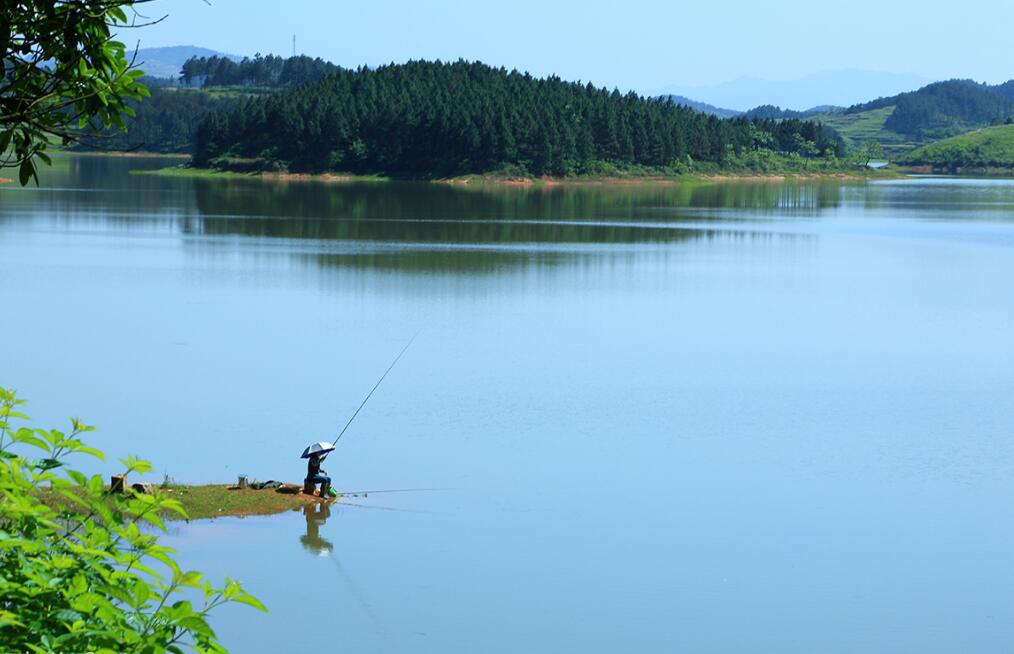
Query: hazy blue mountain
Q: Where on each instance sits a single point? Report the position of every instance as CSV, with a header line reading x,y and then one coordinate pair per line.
x,y
704,106
837,87
167,61
772,112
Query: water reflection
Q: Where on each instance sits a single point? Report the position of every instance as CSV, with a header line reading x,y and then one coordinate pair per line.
x,y
381,225
316,515
434,228
419,201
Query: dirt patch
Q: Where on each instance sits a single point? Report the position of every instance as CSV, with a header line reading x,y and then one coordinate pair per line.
x,y
306,177
129,155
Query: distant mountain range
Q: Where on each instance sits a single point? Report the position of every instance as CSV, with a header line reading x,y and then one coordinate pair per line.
x,y
166,62
704,107
838,87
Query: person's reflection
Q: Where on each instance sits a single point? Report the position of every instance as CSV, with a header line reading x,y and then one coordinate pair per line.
x,y
316,515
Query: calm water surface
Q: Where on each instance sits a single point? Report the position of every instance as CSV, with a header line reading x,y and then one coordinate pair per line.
x,y
745,418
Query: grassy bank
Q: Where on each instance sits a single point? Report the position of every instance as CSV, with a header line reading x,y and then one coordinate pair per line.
x,y
214,173
658,179
216,500
988,151
221,500
746,169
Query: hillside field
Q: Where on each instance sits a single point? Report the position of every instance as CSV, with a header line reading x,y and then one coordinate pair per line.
x,y
858,128
990,149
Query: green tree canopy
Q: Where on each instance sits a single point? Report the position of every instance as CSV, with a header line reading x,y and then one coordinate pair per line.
x,y
63,71
425,118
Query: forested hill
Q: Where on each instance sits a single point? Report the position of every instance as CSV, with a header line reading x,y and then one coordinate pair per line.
x,y
945,108
439,119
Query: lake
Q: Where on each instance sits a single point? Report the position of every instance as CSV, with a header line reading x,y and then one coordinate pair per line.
x,y
720,418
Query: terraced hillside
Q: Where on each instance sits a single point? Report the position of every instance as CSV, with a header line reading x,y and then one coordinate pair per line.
x,y
857,128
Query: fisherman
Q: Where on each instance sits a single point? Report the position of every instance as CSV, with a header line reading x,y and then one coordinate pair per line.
x,y
315,475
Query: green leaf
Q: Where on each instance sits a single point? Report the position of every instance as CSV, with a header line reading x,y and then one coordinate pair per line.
x,y
195,624
141,592
67,615
24,435
26,172
250,600
190,578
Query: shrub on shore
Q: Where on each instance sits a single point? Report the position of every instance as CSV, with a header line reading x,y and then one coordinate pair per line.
x,y
86,573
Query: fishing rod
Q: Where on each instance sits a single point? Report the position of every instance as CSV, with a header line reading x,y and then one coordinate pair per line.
x,y
370,394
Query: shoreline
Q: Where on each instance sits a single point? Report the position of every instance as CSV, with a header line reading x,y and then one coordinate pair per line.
x,y
994,172
209,501
138,154
493,180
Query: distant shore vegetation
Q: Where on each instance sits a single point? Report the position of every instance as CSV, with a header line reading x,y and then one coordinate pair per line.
x,y
433,119
300,115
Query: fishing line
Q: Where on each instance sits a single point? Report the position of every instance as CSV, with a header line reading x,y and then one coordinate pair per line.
x,y
396,490
383,508
367,608
368,395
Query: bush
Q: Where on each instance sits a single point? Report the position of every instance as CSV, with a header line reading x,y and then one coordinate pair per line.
x,y
81,569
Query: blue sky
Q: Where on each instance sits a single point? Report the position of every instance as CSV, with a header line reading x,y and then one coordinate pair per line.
x,y
646,45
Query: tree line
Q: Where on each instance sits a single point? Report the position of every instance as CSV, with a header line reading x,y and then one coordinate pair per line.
x,y
270,70
772,112
435,118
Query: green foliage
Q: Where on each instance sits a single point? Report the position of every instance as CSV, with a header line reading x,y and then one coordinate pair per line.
x,y
81,570
989,148
870,151
62,71
434,119
165,122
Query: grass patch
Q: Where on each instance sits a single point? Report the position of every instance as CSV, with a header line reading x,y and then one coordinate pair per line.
x,y
196,173
214,173
985,151
749,166
218,500
752,166
215,500
860,127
